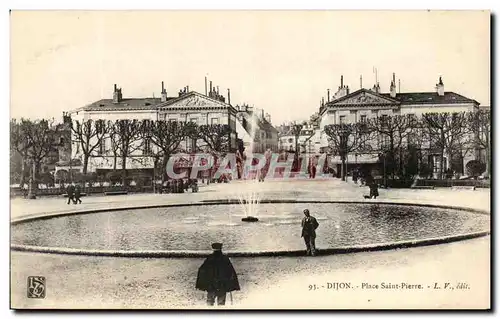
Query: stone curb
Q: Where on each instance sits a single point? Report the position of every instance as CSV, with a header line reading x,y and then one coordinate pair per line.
x,y
234,201
289,253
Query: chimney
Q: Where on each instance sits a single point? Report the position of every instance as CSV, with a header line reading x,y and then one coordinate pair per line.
x,y
347,90
187,89
268,117
376,88
205,86
117,95
322,101
217,90
262,113
440,87
163,92
210,94
228,96
399,85
342,89
393,86
328,94
360,81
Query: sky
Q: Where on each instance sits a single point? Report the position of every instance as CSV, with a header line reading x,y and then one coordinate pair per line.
x,y
279,61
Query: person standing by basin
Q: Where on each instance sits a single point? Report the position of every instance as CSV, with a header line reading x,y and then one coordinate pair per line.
x,y
309,226
217,276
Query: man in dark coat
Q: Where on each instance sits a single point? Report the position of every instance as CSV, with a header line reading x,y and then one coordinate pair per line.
x,y
217,276
70,190
373,189
309,226
78,194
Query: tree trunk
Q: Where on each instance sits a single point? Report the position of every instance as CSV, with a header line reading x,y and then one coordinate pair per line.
x,y
85,164
488,162
342,169
441,162
114,162
124,171
155,163
163,169
32,184
23,172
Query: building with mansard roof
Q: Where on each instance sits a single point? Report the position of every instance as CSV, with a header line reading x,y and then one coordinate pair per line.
x,y
186,106
364,104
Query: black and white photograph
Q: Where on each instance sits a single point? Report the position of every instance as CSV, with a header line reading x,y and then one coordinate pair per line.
x,y
250,159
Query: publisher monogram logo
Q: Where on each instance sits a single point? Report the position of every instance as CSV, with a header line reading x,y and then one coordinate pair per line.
x,y
36,287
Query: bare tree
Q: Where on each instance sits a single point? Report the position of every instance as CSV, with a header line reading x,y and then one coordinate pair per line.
x,y
480,125
114,137
19,144
88,135
347,138
392,132
40,138
127,135
214,138
167,136
446,133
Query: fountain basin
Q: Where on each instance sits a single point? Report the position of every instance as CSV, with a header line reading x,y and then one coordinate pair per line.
x,y
172,229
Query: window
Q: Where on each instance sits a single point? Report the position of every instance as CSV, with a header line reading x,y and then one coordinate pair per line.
x,y
384,120
99,126
214,121
363,119
147,147
101,149
290,140
146,124
342,119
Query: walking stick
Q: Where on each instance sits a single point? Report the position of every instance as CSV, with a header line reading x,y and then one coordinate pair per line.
x,y
231,297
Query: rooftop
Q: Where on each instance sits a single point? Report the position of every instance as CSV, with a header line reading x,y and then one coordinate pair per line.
x,y
430,98
148,103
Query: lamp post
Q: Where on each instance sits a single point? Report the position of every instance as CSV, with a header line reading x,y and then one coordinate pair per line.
x,y
383,155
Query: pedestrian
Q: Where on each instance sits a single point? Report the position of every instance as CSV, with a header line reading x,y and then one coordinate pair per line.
x,y
355,176
309,226
181,186
70,191
373,189
78,194
217,277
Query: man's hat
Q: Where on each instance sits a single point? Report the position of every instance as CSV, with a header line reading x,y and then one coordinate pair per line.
x,y
217,246
306,210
